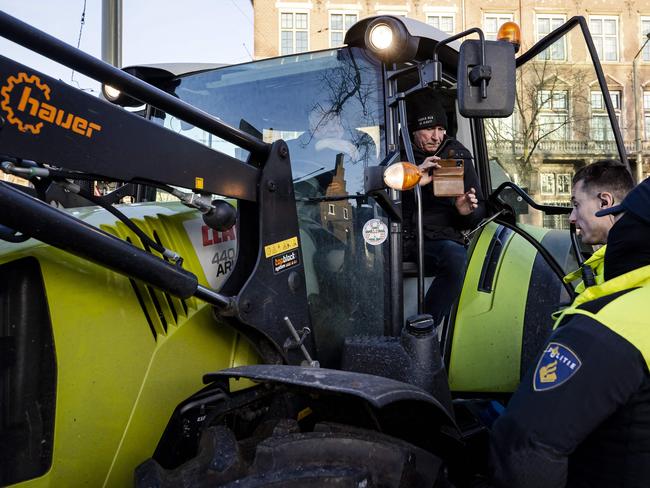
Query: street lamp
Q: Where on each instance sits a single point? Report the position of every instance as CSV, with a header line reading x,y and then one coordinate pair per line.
x,y
637,130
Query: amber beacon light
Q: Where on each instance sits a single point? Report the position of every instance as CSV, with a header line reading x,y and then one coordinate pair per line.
x,y
510,32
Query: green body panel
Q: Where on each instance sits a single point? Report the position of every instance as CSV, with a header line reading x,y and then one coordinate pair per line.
x,y
487,337
117,383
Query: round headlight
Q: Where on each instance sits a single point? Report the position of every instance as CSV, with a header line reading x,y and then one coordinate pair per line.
x,y
118,97
381,36
388,38
111,93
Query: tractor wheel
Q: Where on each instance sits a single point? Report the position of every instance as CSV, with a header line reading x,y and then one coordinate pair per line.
x,y
330,455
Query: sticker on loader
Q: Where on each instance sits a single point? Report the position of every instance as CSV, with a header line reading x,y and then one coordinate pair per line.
x,y
216,250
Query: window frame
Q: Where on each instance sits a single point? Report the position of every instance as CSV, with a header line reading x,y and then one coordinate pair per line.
x,y
541,184
499,15
550,17
602,35
645,57
330,13
293,30
645,102
569,178
600,112
552,111
439,14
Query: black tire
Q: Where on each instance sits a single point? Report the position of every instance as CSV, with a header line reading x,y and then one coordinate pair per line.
x,y
331,455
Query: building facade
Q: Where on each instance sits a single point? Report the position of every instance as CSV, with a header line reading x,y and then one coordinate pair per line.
x,y
561,115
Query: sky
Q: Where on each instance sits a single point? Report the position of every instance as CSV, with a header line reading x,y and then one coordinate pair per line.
x,y
153,31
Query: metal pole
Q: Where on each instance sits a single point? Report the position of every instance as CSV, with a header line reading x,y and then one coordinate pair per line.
x,y
637,128
637,132
112,32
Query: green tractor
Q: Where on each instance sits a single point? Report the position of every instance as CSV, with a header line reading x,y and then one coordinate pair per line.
x,y
259,327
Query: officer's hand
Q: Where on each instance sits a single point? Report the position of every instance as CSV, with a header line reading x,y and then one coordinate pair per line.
x,y
467,203
425,169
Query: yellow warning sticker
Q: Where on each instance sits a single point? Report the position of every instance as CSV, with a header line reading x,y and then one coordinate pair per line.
x,y
279,247
198,183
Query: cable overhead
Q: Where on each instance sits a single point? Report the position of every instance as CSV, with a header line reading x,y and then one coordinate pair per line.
x,y
82,22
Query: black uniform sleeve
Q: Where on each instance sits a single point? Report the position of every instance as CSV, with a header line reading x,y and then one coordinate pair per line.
x,y
545,422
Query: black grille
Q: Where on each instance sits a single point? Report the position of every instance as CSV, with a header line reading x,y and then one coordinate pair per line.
x,y
27,374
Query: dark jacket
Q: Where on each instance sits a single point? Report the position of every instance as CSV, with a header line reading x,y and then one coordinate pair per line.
x,y
440,217
581,418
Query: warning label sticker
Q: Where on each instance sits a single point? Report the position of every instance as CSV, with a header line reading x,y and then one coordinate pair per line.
x,y
282,246
285,261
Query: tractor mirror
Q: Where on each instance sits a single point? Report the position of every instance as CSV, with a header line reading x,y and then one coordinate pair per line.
x,y
498,70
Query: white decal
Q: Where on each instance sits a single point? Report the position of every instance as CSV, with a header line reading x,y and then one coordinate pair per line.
x,y
216,250
375,232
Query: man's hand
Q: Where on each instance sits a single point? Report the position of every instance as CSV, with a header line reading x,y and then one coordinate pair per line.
x,y
467,203
425,169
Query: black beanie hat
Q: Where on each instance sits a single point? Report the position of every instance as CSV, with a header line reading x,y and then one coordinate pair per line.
x,y
426,113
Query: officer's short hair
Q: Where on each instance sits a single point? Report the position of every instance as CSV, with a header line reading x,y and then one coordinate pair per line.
x,y
606,175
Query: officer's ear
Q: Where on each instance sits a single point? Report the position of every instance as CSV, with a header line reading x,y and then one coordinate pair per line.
x,y
606,199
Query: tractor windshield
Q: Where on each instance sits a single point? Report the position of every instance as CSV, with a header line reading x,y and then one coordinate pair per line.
x,y
328,107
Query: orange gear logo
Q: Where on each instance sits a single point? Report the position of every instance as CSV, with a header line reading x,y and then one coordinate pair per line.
x,y
29,83
26,101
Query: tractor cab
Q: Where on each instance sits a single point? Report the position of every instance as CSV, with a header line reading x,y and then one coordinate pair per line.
x,y
344,115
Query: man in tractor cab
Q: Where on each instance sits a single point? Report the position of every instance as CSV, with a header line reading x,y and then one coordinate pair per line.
x,y
595,187
444,219
581,417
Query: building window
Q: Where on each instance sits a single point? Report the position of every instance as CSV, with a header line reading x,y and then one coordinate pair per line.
x,y
604,31
345,213
554,115
547,181
646,114
545,25
645,29
601,129
294,32
339,24
564,184
492,22
330,209
444,22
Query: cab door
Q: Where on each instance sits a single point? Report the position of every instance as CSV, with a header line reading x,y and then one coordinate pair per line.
x,y
565,117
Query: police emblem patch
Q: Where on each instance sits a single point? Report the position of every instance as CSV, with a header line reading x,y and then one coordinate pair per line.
x,y
557,364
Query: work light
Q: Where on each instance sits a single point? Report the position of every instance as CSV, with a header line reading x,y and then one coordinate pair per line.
x,y
389,40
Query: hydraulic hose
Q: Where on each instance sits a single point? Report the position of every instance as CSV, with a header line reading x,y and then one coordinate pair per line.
x,y
60,229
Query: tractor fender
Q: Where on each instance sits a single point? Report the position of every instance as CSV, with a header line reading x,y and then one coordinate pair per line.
x,y
381,393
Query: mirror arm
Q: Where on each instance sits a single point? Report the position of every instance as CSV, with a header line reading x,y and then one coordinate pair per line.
x,y
479,74
547,209
426,77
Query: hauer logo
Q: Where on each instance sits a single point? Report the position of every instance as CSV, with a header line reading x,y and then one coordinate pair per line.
x,y
25,101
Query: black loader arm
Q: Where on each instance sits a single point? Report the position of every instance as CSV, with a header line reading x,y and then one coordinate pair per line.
x,y
61,128
46,120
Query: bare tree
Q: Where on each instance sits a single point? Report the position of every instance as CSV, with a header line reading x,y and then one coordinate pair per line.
x,y
551,110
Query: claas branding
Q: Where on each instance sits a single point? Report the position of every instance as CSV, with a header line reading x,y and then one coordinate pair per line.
x,y
25,101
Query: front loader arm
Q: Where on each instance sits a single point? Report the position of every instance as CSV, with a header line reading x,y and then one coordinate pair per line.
x,y
48,121
61,127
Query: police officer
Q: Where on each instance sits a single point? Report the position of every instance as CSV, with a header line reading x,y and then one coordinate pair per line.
x,y
444,219
595,187
581,417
